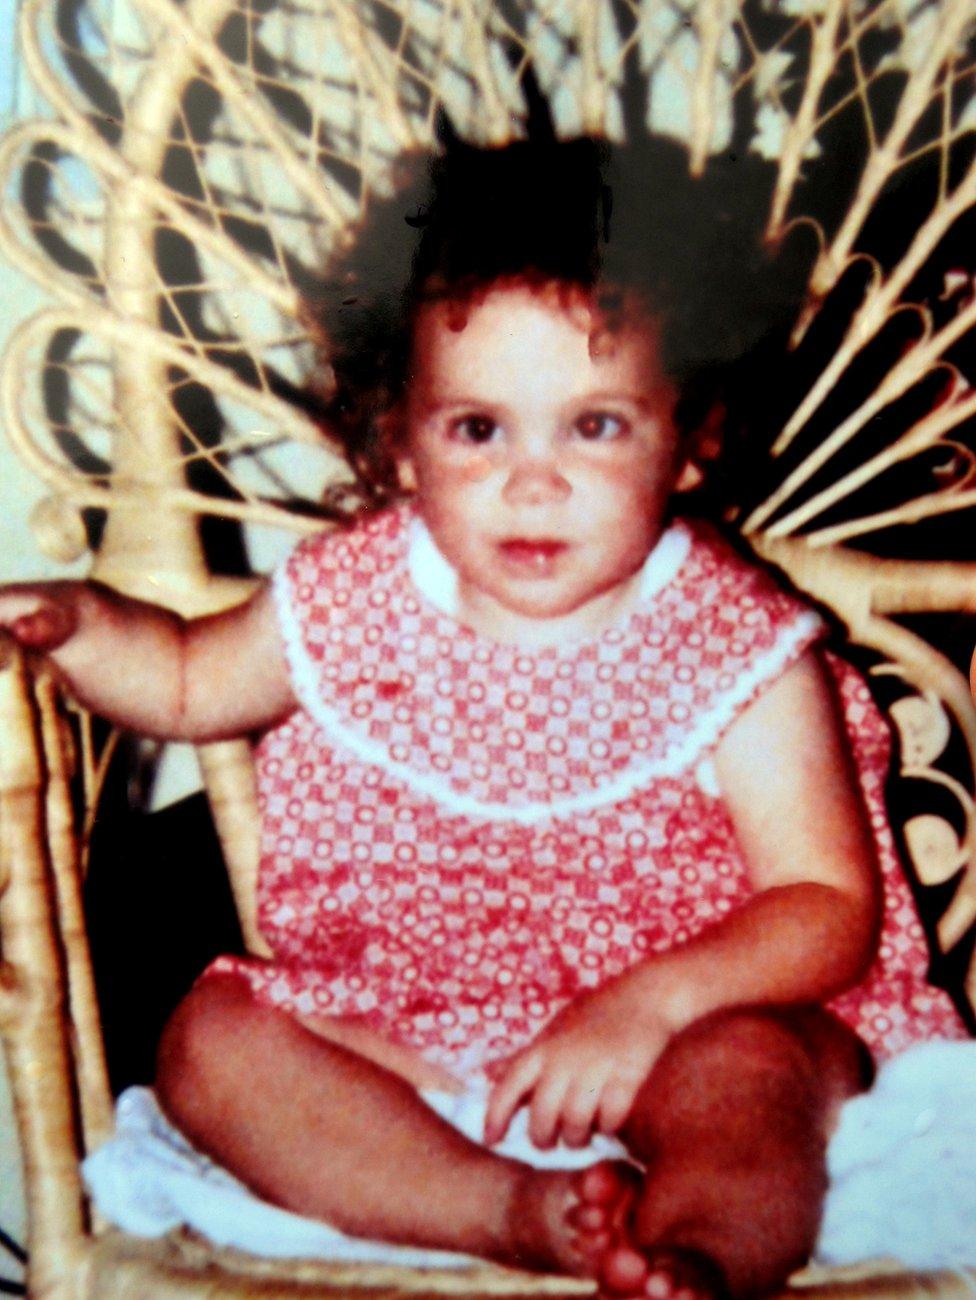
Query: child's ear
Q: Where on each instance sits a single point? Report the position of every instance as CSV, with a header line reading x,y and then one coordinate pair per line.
x,y
690,476
702,447
389,425
406,474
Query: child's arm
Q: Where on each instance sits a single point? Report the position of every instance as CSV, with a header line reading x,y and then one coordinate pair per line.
x,y
808,933
147,669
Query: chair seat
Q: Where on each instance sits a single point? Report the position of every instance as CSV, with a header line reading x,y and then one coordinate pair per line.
x,y
181,1264
882,1278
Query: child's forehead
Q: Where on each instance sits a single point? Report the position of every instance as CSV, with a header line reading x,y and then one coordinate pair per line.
x,y
604,317
518,345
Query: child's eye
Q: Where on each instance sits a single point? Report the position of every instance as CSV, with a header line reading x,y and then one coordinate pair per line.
x,y
477,429
600,426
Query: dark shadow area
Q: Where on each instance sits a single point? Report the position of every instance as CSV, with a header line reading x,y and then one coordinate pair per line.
x,y
159,909
107,114
911,797
39,203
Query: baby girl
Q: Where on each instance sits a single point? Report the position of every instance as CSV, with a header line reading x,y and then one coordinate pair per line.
x,y
557,793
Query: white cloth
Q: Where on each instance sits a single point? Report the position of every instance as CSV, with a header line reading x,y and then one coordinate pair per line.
x,y
148,1179
902,1169
902,1164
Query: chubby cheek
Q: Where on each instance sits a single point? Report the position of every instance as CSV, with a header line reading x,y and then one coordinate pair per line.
x,y
476,468
446,472
629,486
452,496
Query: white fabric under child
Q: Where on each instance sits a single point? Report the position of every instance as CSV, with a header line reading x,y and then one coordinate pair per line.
x,y
902,1175
149,1180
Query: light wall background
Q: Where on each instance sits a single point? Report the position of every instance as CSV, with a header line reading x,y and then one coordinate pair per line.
x,y
18,557
19,491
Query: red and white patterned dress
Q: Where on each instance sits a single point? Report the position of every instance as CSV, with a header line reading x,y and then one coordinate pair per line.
x,y
459,836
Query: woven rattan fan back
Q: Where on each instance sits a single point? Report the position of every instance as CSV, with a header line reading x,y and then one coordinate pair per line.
x,y
202,160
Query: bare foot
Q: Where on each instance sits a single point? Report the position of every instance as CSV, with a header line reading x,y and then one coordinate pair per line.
x,y
660,1273
581,1224
607,1194
570,1221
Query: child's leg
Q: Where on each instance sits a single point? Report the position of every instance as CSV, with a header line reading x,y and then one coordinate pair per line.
x,y
732,1125
320,1130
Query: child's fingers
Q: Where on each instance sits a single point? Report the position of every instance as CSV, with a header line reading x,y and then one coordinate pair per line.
x,y
35,620
15,604
515,1084
546,1107
45,629
616,1103
580,1109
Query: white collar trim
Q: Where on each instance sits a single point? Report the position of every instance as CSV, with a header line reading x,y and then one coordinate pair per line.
x,y
437,581
680,758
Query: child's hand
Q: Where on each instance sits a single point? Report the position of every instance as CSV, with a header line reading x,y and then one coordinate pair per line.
x,y
582,1072
40,616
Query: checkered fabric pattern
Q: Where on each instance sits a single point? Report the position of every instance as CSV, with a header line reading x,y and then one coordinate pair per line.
x,y
461,836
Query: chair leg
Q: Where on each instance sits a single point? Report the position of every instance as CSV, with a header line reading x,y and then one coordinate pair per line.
x,y
32,999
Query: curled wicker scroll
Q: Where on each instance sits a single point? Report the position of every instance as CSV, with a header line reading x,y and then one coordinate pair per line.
x,y
199,161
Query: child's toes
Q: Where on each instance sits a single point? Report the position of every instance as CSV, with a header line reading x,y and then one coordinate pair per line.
x,y
589,1218
674,1273
599,1218
598,1213
623,1272
666,1273
606,1195
599,1184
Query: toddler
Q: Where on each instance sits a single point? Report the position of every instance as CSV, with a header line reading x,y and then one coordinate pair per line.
x,y
558,803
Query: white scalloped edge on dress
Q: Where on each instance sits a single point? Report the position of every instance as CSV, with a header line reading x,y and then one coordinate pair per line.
x,y
687,755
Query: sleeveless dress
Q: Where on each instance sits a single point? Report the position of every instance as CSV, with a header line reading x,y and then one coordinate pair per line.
x,y
460,836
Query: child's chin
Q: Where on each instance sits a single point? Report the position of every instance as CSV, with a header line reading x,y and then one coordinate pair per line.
x,y
533,600
547,608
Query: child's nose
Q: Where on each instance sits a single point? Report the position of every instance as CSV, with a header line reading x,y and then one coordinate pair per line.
x,y
535,482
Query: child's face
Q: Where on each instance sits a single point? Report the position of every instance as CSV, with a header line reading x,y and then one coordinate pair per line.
x,y
543,464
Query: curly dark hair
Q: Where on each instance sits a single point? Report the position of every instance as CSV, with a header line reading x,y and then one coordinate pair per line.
x,y
621,222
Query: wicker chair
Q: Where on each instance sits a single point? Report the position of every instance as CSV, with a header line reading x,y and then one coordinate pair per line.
x,y
198,160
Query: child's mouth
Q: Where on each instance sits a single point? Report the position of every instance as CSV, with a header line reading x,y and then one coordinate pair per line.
x,y
535,555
